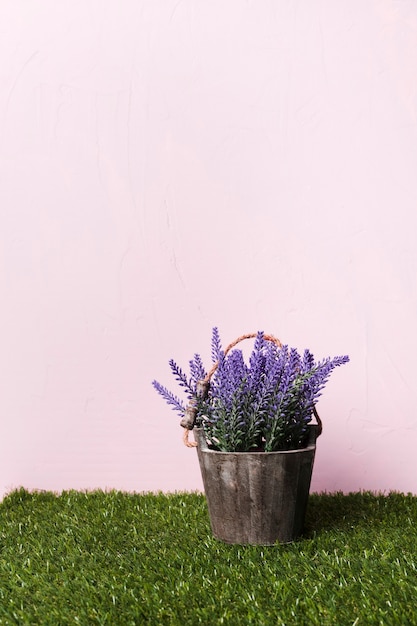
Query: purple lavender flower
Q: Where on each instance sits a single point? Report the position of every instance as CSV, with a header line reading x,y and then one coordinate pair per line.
x,y
265,404
197,369
216,346
169,398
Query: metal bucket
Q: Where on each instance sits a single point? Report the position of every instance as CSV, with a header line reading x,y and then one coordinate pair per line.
x,y
257,498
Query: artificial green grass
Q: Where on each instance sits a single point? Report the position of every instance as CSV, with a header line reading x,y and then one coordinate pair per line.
x,y
122,559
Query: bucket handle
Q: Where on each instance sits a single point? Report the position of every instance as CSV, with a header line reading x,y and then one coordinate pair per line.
x,y
189,418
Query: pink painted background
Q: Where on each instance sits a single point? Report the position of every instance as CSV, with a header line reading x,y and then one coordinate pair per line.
x,y
167,166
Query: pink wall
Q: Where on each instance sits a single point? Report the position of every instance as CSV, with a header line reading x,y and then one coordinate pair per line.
x,y
167,166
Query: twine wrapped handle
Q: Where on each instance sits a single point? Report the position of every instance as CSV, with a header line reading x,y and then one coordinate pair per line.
x,y
188,421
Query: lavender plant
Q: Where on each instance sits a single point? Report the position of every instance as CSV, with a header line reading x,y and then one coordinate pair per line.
x,y
265,404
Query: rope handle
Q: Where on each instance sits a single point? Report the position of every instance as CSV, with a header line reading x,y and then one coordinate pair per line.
x,y
188,420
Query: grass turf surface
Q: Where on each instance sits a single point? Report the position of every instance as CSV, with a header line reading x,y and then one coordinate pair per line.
x,y
121,559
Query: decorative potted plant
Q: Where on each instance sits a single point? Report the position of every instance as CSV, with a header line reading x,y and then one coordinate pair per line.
x,y
255,440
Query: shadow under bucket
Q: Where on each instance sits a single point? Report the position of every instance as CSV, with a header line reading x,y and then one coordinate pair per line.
x,y
257,498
